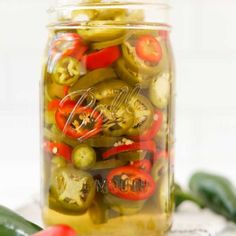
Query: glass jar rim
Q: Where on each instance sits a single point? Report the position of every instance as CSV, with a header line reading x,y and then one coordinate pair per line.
x,y
80,4
87,2
155,12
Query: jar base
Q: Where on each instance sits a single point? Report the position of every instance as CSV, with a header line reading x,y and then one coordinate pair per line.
x,y
136,225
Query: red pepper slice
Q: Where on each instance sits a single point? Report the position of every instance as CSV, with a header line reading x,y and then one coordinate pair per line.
x,y
69,44
146,146
102,58
156,126
130,183
59,230
59,104
144,165
58,149
148,49
66,90
54,104
78,121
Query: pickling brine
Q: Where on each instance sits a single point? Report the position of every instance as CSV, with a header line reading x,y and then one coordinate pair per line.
x,y
108,121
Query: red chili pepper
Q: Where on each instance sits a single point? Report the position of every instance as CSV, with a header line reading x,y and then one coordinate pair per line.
x,y
144,165
69,44
78,121
66,90
148,49
151,133
58,149
54,104
130,183
102,58
146,146
59,230
59,104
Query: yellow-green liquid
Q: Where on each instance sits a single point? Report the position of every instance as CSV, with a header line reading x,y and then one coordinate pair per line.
x,y
148,224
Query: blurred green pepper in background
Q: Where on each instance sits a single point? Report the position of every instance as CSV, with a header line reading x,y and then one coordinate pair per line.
x,y
210,191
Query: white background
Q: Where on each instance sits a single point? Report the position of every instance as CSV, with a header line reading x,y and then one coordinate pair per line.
x,y
204,40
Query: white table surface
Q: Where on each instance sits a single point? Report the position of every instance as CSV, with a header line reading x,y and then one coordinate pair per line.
x,y
188,221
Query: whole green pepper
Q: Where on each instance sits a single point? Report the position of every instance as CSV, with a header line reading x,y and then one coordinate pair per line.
x,y
182,196
216,192
12,224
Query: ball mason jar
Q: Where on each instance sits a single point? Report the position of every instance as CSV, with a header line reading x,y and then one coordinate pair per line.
x,y
108,118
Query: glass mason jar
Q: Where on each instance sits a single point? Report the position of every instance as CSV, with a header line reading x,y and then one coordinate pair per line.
x,y
108,119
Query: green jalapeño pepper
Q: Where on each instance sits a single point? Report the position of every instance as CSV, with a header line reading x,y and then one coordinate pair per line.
x,y
163,194
182,196
83,157
66,71
98,210
73,190
55,205
216,192
110,43
110,89
102,141
117,118
159,169
143,113
55,91
92,78
111,14
138,65
164,130
12,224
159,91
123,206
58,162
99,15
109,164
134,16
77,15
102,33
130,156
132,77
54,134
